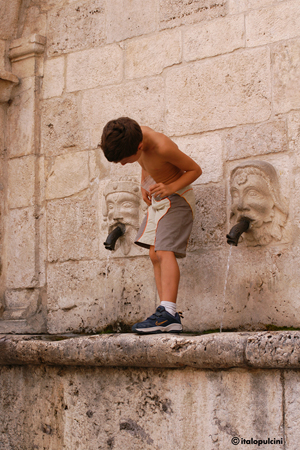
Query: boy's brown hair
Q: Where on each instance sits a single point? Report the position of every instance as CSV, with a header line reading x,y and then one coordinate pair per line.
x,y
120,139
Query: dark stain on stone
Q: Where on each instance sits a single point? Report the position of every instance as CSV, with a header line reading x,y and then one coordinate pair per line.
x,y
135,430
111,442
89,413
46,429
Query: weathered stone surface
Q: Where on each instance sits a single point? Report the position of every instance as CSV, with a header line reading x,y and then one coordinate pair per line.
x,y
286,70
94,295
9,18
61,126
95,67
67,175
76,26
21,122
214,38
263,350
140,100
2,124
35,22
91,412
280,350
209,226
21,248
125,19
143,59
222,92
177,12
54,82
292,418
250,140
206,150
72,228
279,21
21,181
20,304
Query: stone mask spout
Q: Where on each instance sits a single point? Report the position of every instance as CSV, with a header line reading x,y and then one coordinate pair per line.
x,y
236,231
114,236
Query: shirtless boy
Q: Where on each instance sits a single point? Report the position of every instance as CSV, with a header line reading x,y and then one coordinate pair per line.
x,y
166,228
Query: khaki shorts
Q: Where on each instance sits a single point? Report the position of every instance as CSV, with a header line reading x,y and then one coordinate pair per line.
x,y
168,223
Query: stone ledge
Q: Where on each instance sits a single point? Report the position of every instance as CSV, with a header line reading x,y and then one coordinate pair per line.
x,y
263,350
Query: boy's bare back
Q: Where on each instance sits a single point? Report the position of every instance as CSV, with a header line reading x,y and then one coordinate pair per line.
x,y
154,157
168,166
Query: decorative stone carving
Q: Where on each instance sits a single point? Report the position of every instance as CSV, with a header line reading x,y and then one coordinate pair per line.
x,y
122,205
255,194
7,82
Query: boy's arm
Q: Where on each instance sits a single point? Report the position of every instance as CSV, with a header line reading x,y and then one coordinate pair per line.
x,y
145,194
191,169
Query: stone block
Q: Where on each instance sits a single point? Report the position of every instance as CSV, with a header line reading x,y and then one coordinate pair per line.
x,y
214,38
251,140
72,227
67,175
20,304
21,181
143,59
93,295
35,22
286,70
173,13
206,150
209,228
21,121
292,405
61,126
141,100
95,67
9,18
126,18
294,136
2,54
54,82
76,26
221,92
21,249
278,22
2,125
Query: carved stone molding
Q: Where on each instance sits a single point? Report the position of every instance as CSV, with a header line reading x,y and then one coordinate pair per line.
x,y
25,53
26,47
7,82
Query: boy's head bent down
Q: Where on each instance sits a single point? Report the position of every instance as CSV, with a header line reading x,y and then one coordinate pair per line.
x,y
120,139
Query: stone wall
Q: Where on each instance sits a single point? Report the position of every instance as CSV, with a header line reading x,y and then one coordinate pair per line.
x,y
150,392
221,79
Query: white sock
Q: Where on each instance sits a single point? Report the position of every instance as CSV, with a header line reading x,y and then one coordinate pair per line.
x,y
170,307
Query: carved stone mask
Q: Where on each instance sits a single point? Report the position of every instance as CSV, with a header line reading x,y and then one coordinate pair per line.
x,y
255,194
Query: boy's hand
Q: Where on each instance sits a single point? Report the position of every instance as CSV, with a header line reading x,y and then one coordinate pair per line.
x,y
161,190
146,197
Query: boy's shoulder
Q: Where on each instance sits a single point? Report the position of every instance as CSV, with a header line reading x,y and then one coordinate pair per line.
x,y
158,141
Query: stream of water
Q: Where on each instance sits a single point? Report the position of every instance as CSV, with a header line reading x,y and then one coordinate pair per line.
x,y
225,287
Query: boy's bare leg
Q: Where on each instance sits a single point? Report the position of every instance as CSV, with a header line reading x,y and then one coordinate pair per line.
x,y
157,271
169,275
166,273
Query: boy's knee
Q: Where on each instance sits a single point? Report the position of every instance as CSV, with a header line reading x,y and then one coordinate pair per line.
x,y
162,255
153,256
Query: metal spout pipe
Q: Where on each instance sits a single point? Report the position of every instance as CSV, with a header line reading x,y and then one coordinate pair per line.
x,y
236,231
114,236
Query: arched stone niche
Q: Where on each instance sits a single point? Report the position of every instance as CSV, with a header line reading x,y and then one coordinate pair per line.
x,y
256,194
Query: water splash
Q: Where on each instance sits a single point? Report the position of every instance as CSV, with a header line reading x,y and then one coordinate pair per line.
x,y
106,277
225,287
